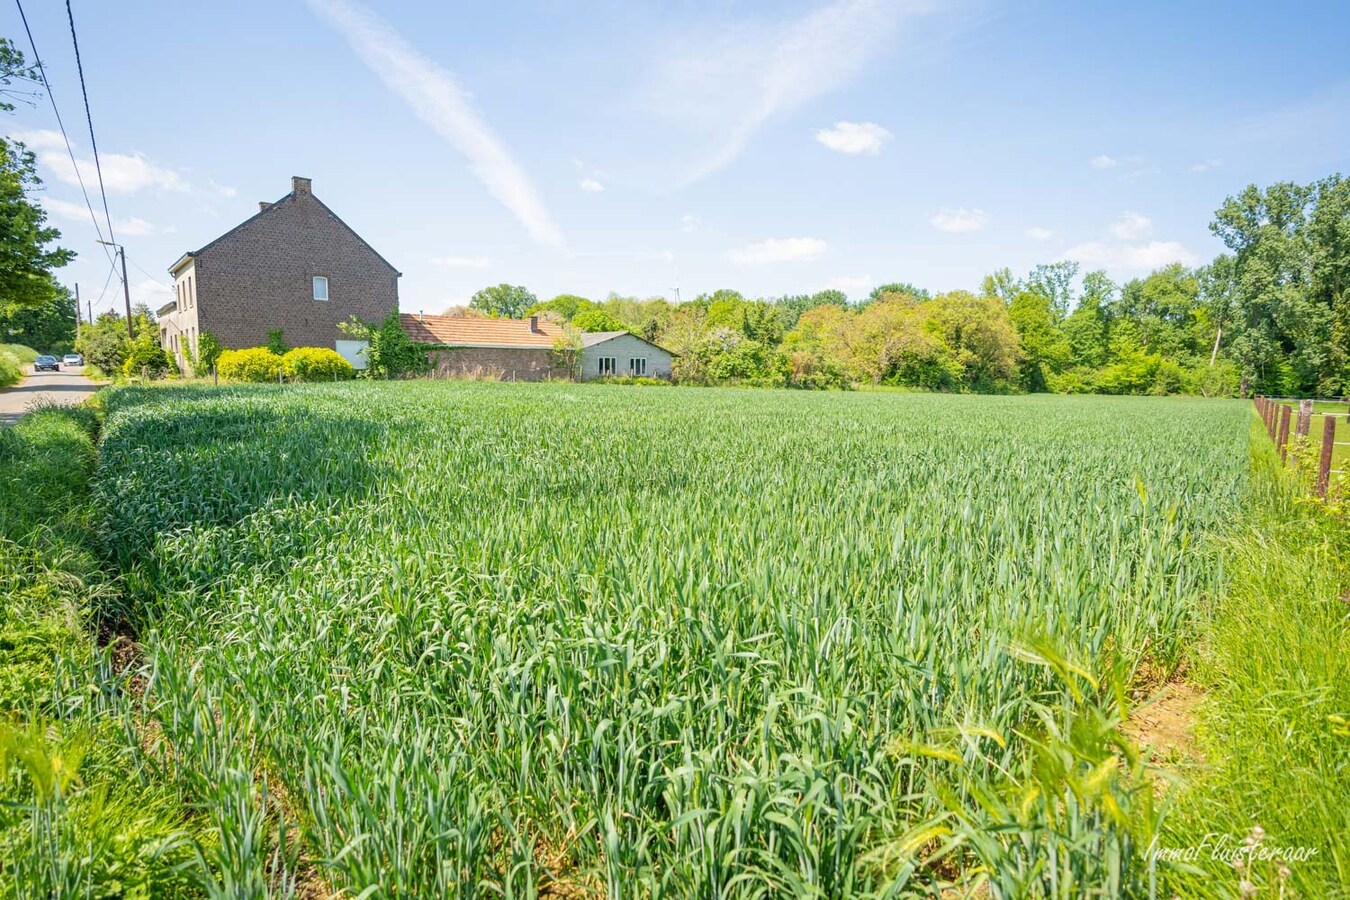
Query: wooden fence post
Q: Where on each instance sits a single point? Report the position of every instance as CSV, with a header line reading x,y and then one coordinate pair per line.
x,y
1283,439
1324,465
1304,418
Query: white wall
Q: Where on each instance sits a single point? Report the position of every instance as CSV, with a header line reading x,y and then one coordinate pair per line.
x,y
623,348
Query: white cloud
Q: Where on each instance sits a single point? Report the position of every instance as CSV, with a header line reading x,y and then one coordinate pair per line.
x,y
724,87
461,262
1131,226
591,185
1040,234
778,250
223,190
152,293
959,221
1206,165
122,173
690,222
78,212
1127,258
1103,162
437,99
850,284
854,138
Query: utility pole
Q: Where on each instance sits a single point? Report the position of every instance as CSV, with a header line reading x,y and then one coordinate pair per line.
x,y
126,286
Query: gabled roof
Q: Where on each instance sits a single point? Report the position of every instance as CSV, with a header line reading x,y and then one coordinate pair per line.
x,y
466,331
595,338
290,197
599,337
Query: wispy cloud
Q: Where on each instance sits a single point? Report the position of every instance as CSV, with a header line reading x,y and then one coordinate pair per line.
x,y
690,222
461,262
1040,234
1131,226
590,185
437,98
960,220
1103,162
726,86
1206,165
78,212
778,250
854,138
123,173
1130,258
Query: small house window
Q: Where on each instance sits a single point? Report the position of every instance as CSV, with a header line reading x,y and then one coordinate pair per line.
x,y
320,287
608,365
637,366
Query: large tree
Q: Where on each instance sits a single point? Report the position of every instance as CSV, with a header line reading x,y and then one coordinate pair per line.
x,y
505,300
48,327
27,252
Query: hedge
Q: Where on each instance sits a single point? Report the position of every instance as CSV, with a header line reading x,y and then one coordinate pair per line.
x,y
251,364
316,364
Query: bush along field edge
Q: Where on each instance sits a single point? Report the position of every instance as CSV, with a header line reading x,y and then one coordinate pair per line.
x,y
90,802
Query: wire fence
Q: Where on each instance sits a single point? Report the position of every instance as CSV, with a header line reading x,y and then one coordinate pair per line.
x,y
1279,415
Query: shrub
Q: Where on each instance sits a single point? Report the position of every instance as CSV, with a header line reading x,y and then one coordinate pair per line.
x,y
147,358
251,364
23,354
208,351
10,371
316,364
276,342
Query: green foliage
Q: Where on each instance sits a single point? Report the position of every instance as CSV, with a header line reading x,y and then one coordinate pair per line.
x,y
678,654
389,352
503,300
208,352
898,289
276,342
10,370
49,324
316,364
104,342
255,364
146,358
23,354
27,260
563,307
595,320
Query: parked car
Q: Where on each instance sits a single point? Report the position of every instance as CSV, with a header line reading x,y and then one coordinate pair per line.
x,y
46,363
72,359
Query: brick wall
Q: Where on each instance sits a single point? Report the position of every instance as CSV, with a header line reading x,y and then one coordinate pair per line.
x,y
501,363
259,276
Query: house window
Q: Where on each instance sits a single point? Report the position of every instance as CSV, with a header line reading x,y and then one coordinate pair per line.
x,y
608,365
320,287
637,366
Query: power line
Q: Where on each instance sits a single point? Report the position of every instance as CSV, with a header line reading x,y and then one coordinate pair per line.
x,y
89,117
107,281
42,71
151,277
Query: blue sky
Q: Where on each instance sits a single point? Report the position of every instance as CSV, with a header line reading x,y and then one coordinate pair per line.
x,y
636,146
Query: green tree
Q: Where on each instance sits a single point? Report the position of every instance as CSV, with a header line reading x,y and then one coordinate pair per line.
x,y
1045,350
104,343
596,320
503,300
1087,328
48,326
564,306
389,352
898,288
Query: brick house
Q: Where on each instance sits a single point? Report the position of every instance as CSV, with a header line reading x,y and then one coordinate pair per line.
x,y
294,265
526,349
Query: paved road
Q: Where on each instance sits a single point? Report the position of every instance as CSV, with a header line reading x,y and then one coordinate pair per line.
x,y
66,386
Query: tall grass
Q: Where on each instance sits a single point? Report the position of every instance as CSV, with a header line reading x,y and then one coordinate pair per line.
x,y
466,639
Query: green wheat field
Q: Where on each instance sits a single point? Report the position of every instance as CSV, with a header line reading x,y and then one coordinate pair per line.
x,y
488,639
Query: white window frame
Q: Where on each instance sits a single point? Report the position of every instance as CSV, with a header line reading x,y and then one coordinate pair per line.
x,y
637,366
314,288
607,366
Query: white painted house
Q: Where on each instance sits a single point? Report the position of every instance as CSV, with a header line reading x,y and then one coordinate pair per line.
x,y
607,354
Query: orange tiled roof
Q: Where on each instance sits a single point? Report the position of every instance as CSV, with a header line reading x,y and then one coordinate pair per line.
x,y
465,331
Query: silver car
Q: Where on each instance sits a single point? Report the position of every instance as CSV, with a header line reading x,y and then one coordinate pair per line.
x,y
72,359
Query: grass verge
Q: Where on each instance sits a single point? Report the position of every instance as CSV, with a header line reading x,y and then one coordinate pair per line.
x,y
1275,664
79,816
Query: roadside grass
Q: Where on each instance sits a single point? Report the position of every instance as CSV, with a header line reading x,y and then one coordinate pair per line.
x,y
1275,662
10,369
78,815
25,355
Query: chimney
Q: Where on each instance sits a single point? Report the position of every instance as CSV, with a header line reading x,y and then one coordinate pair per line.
x,y
534,325
263,205
301,185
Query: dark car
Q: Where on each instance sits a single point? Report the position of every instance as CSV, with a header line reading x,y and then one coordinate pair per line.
x,y
47,364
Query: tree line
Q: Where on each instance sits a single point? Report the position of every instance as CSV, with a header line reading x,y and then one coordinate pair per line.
x,y
1271,315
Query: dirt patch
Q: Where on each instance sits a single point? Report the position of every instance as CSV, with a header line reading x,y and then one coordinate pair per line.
x,y
1164,724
